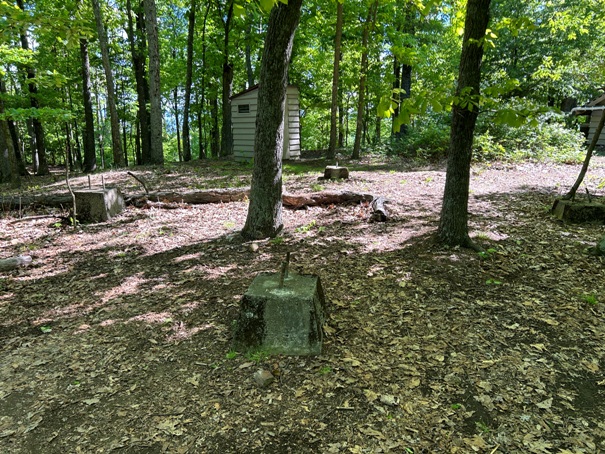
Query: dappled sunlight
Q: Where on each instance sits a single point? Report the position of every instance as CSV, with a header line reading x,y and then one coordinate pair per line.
x,y
152,318
129,286
181,332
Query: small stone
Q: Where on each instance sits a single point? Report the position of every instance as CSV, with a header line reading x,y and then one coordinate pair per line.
x,y
263,378
253,247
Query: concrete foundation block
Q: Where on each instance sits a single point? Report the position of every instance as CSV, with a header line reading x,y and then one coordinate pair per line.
x,y
282,320
98,205
336,173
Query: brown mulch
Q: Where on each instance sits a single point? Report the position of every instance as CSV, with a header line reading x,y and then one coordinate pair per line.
x,y
117,337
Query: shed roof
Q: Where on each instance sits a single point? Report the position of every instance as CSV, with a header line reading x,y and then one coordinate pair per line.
x,y
252,88
595,104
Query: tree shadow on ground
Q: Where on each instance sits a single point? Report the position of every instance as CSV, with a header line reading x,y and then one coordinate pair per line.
x,y
430,346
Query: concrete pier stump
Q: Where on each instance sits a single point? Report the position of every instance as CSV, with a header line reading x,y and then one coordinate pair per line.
x,y
284,319
98,205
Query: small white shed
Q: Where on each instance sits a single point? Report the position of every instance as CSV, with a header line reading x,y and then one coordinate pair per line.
x,y
594,110
243,118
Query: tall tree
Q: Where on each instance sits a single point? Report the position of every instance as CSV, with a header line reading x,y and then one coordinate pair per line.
x,y
155,91
114,120
335,76
138,49
227,80
90,159
188,81
453,225
9,170
265,210
368,25
37,136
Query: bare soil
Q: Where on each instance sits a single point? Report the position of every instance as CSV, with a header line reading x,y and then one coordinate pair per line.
x,y
117,337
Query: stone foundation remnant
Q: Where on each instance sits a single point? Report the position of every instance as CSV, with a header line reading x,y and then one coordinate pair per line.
x,y
98,205
282,313
335,173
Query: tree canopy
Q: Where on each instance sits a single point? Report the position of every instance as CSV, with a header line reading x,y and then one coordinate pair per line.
x,y
539,56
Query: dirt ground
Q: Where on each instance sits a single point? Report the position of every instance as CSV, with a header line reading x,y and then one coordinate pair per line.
x,y
118,337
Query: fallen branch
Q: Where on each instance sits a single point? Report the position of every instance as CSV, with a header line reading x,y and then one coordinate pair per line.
x,y
294,201
379,211
193,198
140,180
14,262
324,198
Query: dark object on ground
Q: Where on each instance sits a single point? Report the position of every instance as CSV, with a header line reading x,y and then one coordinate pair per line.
x,y
379,211
335,173
14,262
576,212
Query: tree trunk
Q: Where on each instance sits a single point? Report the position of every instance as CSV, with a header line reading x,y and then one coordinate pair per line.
x,y
335,76
176,120
361,102
155,92
9,171
341,122
90,158
202,101
265,210
77,150
188,82
138,50
453,226
38,145
114,121
32,145
593,144
249,69
396,133
215,143
14,138
226,132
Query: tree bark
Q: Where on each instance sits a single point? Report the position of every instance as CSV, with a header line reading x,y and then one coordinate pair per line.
x,y
90,158
188,82
114,121
38,144
138,50
264,217
293,201
175,93
155,91
453,226
249,69
9,171
335,76
226,132
14,137
215,143
362,79
202,102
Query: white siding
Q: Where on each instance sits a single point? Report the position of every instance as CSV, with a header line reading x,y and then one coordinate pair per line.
x,y
244,125
595,117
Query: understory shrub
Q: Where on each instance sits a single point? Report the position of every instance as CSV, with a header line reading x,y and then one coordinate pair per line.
x,y
427,139
550,140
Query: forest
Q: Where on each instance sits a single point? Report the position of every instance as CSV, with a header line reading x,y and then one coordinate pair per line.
x,y
453,261
83,83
